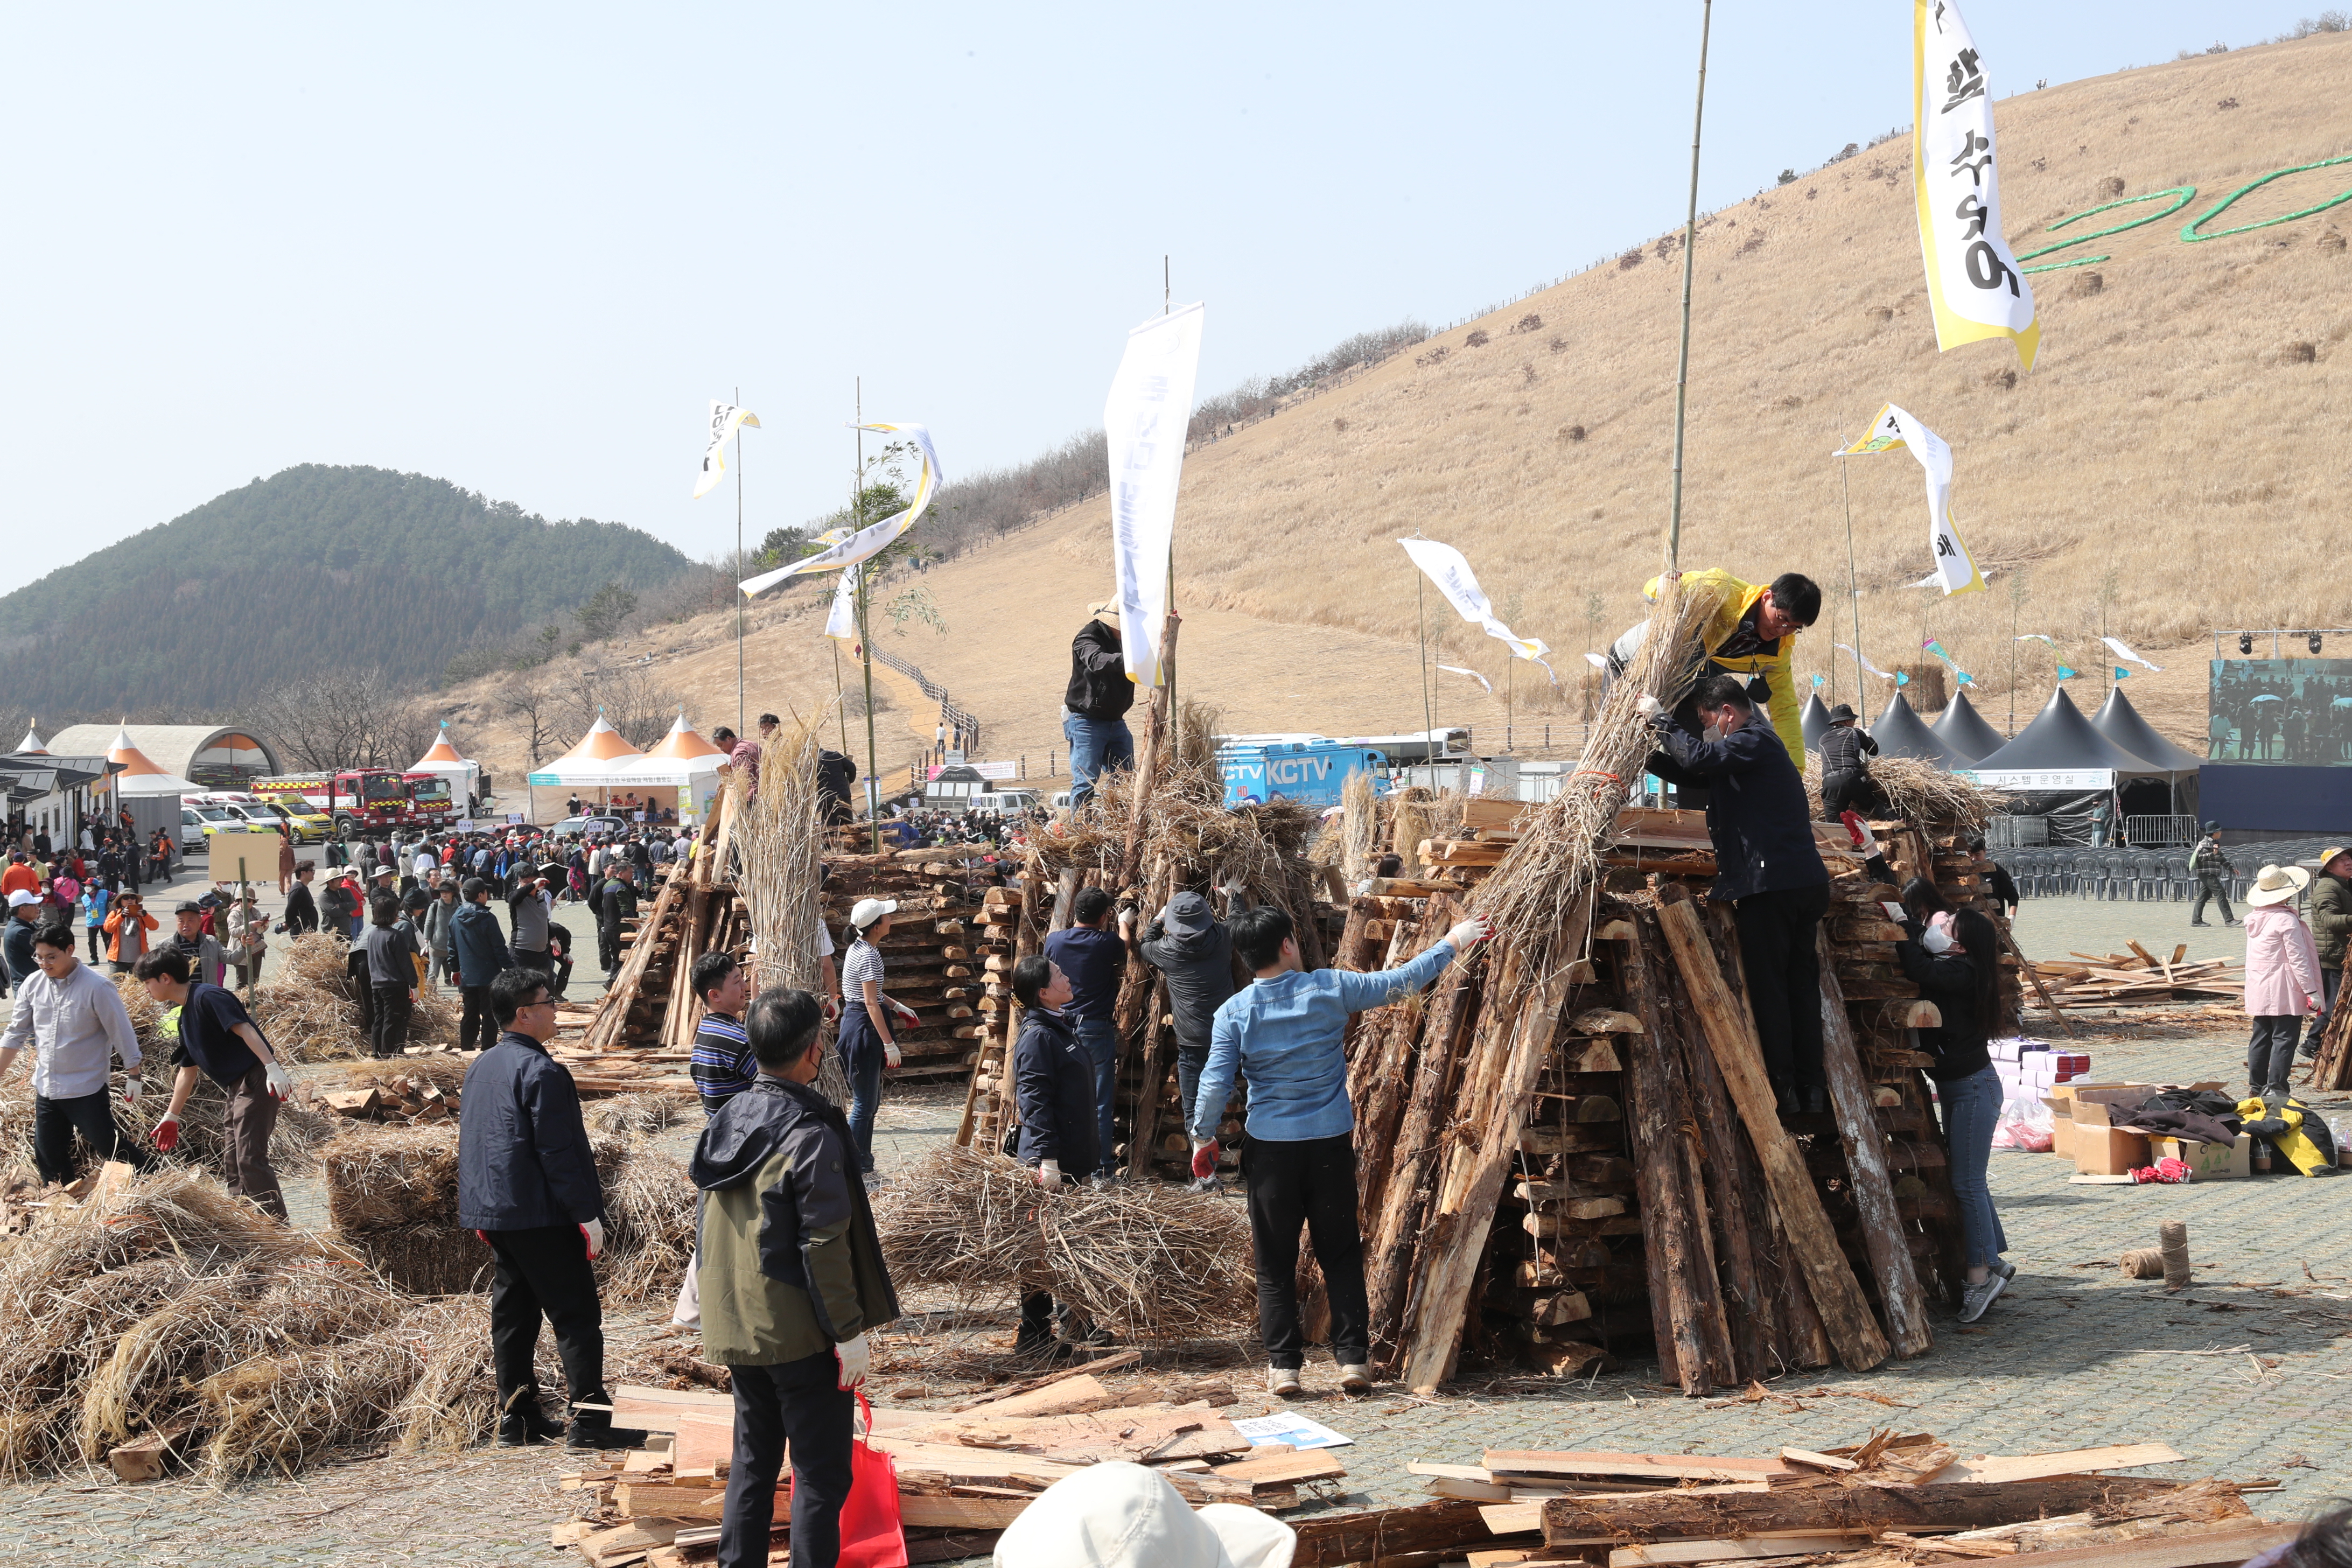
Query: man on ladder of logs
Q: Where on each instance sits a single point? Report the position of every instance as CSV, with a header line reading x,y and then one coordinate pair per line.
x,y
1768,869
1753,634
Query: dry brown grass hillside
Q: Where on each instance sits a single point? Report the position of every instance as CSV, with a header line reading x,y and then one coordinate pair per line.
x,y
2178,454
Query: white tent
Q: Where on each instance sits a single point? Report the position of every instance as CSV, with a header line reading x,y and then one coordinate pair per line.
x,y
601,760
682,758
33,745
442,757
140,776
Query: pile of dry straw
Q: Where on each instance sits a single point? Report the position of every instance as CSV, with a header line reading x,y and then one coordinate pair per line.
x,y
1153,1264
1920,791
309,1012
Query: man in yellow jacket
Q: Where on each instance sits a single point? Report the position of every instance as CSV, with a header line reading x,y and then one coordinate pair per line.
x,y
1752,633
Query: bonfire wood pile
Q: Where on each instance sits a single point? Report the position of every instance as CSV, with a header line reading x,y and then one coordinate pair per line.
x,y
649,1003
1649,1197
2139,976
1892,1502
1009,925
932,960
963,1475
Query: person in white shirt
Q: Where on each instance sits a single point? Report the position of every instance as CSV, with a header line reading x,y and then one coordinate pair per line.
x,y
74,1021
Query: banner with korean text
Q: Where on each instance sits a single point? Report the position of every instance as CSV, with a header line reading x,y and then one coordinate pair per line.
x,y
1973,282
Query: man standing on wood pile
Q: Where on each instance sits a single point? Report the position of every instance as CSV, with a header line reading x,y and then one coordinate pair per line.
x,y
1094,708
1752,633
219,1039
1286,1032
2212,871
616,901
1053,1082
2331,931
527,1185
75,1022
477,957
1094,959
792,1280
1768,869
1845,766
1188,945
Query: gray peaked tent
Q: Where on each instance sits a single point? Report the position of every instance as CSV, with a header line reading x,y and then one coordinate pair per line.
x,y
2062,743
1815,719
2119,722
1901,733
1964,732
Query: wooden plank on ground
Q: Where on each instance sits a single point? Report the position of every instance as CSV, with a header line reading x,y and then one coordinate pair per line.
x,y
1778,1544
2073,1462
1729,1515
1642,1467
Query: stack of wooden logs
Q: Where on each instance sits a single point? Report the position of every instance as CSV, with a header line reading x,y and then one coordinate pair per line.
x,y
929,959
1656,1199
1008,926
695,910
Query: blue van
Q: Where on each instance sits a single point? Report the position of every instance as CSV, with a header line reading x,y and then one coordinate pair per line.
x,y
1311,772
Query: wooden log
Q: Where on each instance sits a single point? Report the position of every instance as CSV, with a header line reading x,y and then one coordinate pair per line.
x,y
1744,1276
1378,1078
1386,1535
1965,1505
1900,1295
1670,1251
1448,1019
1731,1035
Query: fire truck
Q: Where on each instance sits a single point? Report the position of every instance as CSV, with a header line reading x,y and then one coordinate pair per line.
x,y
365,799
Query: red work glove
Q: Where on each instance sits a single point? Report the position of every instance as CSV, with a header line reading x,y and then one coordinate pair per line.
x,y
1204,1160
485,1240
167,1134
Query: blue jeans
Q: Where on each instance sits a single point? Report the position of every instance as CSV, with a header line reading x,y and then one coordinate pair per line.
x,y
861,1057
1101,1039
1095,745
1971,1106
1190,1060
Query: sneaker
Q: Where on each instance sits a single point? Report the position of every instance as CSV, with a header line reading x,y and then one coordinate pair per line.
x,y
1201,1185
1282,1382
1975,1299
2004,1268
1355,1378
596,1430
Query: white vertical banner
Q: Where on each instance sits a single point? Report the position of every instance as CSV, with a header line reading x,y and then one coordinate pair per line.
x,y
1956,570
1146,416
725,420
1973,282
841,622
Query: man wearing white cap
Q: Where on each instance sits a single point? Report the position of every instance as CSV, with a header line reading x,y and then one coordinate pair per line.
x,y
25,908
1094,708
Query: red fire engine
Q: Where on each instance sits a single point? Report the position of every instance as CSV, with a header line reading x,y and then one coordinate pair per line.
x,y
367,797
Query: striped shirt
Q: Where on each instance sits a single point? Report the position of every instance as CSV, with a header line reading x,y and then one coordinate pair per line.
x,y
863,964
722,1065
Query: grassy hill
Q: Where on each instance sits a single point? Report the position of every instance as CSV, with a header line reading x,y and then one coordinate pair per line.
x,y
2175,462
313,568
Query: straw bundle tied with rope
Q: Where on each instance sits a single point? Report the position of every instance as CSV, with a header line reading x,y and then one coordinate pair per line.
x,y
1153,1264
1919,790
778,839
309,1013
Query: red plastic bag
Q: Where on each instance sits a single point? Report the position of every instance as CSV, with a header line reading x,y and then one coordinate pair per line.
x,y
871,1535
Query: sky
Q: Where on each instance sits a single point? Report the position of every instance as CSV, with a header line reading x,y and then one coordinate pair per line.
x,y
522,246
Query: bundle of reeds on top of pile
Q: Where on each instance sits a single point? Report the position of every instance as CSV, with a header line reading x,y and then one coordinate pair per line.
x,y
1152,1263
1919,790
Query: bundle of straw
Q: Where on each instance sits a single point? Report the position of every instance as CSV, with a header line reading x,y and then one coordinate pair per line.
x,y
454,1401
1359,825
275,1411
308,1012
1152,1263
633,1113
779,837
1919,791
649,1208
388,1178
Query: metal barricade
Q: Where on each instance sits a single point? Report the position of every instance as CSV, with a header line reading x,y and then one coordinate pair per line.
x,y
2161,832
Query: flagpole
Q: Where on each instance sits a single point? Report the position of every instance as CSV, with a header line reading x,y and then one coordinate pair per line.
x,y
1690,240
739,571
1852,585
865,631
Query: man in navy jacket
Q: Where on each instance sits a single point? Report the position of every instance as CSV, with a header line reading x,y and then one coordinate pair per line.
x,y
1768,868
527,1185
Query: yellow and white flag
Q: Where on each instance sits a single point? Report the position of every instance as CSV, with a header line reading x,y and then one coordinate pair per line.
x,y
1145,418
874,537
1956,570
1972,278
725,420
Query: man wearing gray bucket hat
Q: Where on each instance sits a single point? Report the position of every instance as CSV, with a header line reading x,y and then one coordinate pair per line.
x,y
1845,766
1188,945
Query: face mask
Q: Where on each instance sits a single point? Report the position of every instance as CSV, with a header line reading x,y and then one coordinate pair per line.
x,y
1712,734
1935,939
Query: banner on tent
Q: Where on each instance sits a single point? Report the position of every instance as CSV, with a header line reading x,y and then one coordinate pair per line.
x,y
2040,778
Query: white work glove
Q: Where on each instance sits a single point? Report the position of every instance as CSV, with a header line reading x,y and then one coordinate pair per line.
x,y
890,1057
1469,934
282,1082
132,1089
1648,706
1049,1174
592,1232
854,1358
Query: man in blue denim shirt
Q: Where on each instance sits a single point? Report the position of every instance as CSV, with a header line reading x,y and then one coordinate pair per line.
x,y
1285,1033
1094,957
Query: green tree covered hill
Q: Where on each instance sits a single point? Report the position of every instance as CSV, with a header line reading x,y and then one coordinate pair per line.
x,y
314,568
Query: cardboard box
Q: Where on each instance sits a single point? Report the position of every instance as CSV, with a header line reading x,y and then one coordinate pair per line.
x,y
2062,1135
2206,1162
2102,1151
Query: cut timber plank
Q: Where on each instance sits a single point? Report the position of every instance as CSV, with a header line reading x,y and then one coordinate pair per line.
x,y
1899,1293
1001,1403
960,1512
1816,1461
1721,1515
2074,1462
1287,1469
1382,1534
1780,1543
2186,1549
1511,1518
1731,1037
1637,1466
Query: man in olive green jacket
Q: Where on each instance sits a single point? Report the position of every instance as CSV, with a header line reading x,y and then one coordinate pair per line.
x,y
2331,931
792,1278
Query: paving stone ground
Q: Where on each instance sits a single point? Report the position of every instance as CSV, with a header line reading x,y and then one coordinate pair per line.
x,y
2248,1374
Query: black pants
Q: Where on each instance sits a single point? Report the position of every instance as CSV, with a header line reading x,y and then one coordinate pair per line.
x,y
800,1402
477,1030
1784,979
1847,791
1310,1183
2212,888
544,1272
98,944
2330,982
55,1122
2270,1055
361,980
388,1026
608,947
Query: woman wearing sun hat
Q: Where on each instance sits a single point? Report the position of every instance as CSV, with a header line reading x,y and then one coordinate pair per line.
x,y
2283,979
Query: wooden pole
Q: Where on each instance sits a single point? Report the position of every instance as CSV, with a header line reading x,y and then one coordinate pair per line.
x,y
1690,243
1668,1249
1157,739
1731,1035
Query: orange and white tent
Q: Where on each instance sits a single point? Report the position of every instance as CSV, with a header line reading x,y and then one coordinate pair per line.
x,y
682,757
140,776
600,760
442,757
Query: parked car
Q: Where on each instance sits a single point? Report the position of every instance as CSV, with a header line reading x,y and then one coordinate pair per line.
x,y
590,828
1006,800
1061,800
194,821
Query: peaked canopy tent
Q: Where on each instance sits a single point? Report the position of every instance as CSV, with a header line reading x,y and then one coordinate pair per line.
x,y
33,745
684,759
1901,733
1814,720
2121,723
2060,767
214,756
600,761
1964,733
442,757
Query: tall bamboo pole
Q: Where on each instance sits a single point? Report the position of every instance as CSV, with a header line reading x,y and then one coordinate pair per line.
x,y
1690,242
738,568
866,631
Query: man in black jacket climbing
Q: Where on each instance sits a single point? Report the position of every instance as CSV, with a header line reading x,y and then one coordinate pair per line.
x,y
1094,708
1053,1082
1845,765
1768,868
1188,945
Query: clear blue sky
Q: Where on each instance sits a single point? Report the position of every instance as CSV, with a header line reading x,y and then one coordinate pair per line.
x,y
519,246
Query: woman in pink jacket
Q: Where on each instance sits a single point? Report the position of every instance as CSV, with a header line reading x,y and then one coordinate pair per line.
x,y
2282,976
